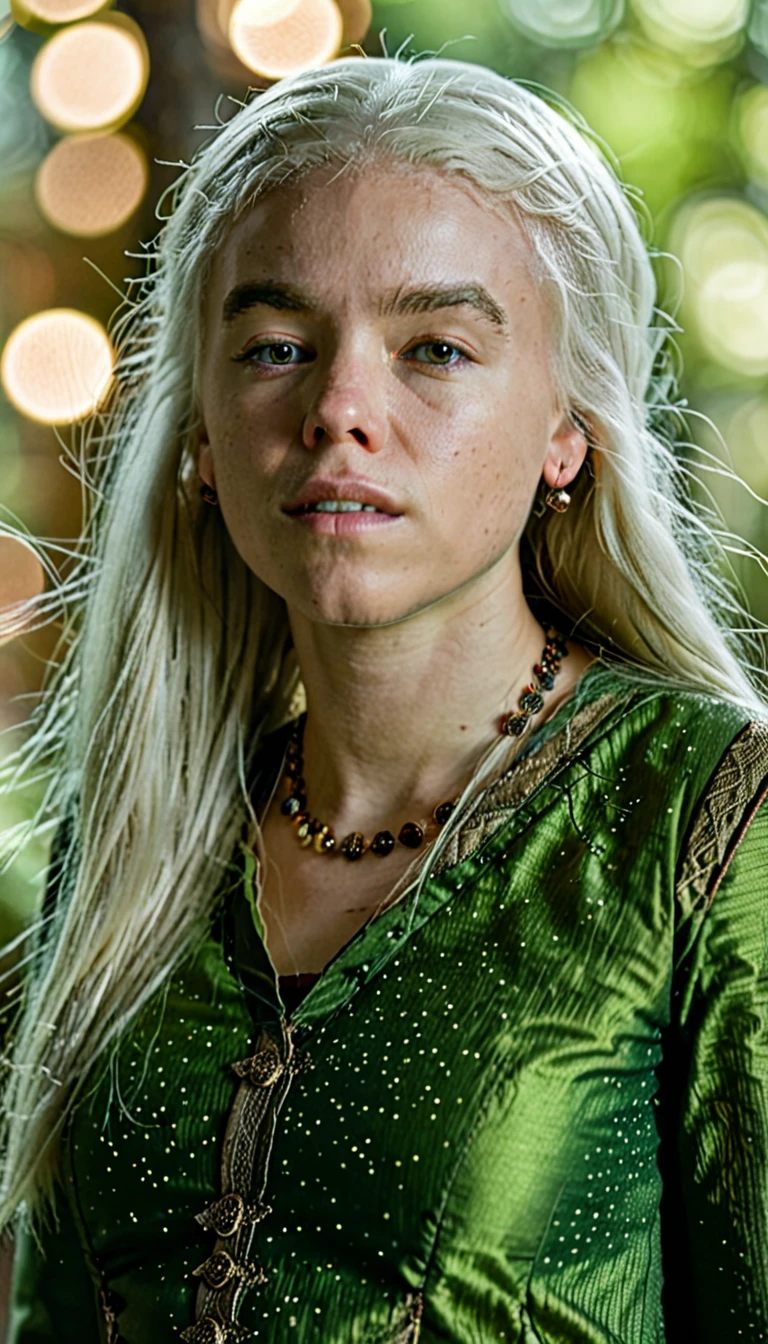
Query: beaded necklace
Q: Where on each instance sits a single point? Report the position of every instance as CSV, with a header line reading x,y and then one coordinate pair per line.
x,y
310,831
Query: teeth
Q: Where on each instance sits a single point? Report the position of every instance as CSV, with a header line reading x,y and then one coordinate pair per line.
x,y
341,506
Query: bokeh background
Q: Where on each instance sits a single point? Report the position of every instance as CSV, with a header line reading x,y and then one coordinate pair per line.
x,y
100,104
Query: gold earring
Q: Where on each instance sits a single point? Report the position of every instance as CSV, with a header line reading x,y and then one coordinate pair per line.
x,y
557,500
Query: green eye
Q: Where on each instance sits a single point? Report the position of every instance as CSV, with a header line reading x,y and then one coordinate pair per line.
x,y
251,355
280,345
441,345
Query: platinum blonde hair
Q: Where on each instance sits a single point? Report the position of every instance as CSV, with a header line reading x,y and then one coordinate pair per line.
x,y
175,659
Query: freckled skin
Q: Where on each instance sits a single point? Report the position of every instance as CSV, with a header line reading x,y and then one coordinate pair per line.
x,y
461,448
413,637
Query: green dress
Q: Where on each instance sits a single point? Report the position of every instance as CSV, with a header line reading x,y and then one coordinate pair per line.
x,y
532,1107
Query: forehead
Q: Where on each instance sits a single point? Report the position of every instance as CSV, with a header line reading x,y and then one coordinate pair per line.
x,y
356,233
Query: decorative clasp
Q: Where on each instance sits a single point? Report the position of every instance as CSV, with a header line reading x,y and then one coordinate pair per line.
x,y
212,1330
263,1068
220,1268
228,1214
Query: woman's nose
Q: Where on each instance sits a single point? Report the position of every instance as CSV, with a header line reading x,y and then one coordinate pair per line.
x,y
348,408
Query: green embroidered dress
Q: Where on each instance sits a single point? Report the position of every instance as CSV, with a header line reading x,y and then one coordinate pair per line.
x,y
531,1108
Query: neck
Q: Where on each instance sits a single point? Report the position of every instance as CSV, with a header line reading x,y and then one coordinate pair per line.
x,y
398,716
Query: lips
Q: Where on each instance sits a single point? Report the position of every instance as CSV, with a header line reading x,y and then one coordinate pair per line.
x,y
352,490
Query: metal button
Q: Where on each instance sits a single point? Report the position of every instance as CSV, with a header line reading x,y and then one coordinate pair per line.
x,y
261,1069
217,1270
205,1331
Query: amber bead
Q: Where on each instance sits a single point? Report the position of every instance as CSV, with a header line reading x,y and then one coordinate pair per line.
x,y
410,835
353,846
442,812
383,843
322,836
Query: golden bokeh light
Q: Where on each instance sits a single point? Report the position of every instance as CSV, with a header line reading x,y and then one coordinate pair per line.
x,y
91,76
57,366
356,16
701,31
22,577
89,185
276,38
723,245
43,13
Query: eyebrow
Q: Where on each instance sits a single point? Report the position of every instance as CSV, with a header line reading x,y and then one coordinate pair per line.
x,y
422,299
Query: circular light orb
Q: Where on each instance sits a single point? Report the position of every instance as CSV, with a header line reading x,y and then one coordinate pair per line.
x,y
757,28
92,76
356,16
723,246
641,100
276,38
751,120
702,31
91,184
43,13
22,577
565,23
57,366
746,434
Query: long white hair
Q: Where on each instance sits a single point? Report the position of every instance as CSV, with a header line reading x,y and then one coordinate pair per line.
x,y
175,659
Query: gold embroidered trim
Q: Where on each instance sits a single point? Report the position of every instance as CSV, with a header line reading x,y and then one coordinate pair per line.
x,y
511,790
228,1272
736,790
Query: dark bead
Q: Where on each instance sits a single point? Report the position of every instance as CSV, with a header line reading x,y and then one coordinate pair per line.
x,y
290,806
531,701
514,724
293,769
546,680
383,843
442,812
353,846
410,835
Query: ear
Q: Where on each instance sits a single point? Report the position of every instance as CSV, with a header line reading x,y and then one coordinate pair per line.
x,y
205,460
567,450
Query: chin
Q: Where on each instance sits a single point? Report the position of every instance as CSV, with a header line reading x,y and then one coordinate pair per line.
x,y
366,610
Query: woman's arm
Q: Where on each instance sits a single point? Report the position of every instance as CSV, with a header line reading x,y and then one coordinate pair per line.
x,y
716,1233
52,1294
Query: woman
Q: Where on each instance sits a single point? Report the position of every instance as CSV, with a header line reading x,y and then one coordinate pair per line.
x,y
402,972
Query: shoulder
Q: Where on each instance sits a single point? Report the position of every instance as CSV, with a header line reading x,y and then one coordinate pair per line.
x,y
735,793
703,759
671,734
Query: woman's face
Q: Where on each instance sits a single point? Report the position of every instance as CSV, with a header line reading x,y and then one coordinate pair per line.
x,y
337,373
